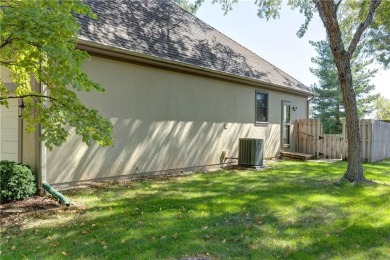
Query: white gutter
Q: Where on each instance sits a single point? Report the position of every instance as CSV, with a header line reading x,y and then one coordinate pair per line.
x,y
99,48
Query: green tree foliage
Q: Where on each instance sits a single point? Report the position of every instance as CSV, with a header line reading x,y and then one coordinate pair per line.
x,y
38,46
368,23
376,41
382,108
187,5
328,106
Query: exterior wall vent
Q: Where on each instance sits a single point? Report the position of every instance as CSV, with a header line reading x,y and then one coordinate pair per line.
x,y
250,152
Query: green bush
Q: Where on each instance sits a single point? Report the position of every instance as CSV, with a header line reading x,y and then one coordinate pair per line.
x,y
17,181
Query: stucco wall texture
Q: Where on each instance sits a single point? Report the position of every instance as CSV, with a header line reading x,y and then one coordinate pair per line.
x,y
166,120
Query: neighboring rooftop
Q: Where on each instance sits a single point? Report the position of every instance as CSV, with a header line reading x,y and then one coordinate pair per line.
x,y
161,29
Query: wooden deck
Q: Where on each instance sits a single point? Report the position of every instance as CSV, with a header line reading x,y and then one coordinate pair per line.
x,y
298,156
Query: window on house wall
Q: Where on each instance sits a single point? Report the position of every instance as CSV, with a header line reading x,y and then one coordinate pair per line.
x,y
286,123
261,107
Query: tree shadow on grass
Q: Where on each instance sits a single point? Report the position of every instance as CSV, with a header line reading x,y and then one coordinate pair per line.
x,y
243,215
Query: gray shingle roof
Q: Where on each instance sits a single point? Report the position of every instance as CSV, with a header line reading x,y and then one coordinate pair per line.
x,y
161,29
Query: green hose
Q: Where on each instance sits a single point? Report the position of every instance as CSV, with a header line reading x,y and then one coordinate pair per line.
x,y
55,194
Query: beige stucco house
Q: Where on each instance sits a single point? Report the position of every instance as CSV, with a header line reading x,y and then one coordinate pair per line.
x,y
178,93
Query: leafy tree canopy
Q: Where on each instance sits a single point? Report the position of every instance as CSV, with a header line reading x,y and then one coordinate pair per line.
x,y
187,5
382,108
376,39
38,44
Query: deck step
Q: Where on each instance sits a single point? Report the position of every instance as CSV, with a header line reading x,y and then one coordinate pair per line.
x,y
299,156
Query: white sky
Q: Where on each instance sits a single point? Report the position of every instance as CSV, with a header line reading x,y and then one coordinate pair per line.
x,y
276,40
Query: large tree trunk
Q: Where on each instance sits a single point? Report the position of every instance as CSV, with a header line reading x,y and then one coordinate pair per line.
x,y
327,10
355,167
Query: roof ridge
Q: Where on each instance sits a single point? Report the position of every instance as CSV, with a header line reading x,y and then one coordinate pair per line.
x,y
230,38
242,46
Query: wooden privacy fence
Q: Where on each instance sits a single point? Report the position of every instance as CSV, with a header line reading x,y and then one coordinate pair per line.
x,y
375,140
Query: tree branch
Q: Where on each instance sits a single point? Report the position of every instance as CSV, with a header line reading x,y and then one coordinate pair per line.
x,y
6,4
7,41
47,3
28,95
337,5
363,26
327,11
8,63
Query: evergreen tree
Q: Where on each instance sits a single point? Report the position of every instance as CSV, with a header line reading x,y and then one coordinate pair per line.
x,y
328,106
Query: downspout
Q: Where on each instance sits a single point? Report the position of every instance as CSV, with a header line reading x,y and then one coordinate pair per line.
x,y
43,171
43,163
308,106
38,146
42,179
38,149
55,194
43,166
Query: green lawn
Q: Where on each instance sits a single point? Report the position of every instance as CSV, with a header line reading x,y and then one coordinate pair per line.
x,y
291,210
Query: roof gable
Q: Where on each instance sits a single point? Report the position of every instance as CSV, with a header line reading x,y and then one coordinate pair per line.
x,y
161,29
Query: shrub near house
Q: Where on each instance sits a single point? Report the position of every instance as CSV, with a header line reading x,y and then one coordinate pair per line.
x,y
16,181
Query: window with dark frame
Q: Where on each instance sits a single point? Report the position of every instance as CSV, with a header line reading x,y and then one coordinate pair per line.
x,y
261,107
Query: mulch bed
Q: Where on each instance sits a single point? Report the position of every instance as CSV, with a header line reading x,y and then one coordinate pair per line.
x,y
29,205
14,211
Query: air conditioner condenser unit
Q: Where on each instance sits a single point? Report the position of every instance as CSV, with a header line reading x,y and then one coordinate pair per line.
x,y
250,152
